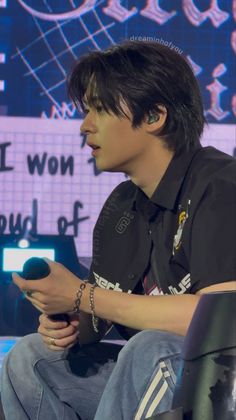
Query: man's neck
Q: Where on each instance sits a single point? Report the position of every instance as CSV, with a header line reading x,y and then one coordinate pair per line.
x,y
151,172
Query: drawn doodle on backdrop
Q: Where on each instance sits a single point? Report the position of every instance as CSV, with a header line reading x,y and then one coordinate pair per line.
x,y
63,30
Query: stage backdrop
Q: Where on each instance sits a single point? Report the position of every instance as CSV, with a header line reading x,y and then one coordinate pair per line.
x,y
46,171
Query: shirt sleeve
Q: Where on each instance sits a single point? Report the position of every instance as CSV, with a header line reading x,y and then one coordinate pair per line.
x,y
213,239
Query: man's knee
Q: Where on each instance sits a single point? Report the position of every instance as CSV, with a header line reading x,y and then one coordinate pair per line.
x,y
27,351
28,344
150,345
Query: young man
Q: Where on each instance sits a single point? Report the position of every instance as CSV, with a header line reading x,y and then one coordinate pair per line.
x,y
162,239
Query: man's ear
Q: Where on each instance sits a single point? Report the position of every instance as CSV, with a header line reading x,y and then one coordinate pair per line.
x,y
152,118
155,120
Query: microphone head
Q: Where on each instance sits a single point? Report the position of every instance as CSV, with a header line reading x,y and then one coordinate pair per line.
x,y
35,268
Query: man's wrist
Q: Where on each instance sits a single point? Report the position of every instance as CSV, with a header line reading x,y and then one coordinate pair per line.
x,y
79,297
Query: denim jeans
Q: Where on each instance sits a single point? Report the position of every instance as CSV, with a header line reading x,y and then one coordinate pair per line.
x,y
91,383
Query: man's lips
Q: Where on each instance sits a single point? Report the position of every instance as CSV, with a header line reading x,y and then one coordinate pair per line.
x,y
94,148
93,145
95,152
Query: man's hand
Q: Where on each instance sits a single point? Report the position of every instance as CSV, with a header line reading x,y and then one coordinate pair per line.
x,y
53,294
59,335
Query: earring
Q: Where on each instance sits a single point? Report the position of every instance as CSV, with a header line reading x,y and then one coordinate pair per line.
x,y
152,118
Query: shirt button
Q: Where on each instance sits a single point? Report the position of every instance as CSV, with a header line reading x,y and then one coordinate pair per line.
x,y
150,231
131,276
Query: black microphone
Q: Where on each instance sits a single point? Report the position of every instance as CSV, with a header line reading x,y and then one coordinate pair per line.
x,y
35,269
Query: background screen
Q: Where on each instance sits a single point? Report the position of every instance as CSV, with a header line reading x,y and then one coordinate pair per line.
x,y
48,179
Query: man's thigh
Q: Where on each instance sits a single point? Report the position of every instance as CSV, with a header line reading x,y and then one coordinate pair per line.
x,y
143,380
80,379
40,380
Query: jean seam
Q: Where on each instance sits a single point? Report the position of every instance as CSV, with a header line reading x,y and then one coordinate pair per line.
x,y
39,403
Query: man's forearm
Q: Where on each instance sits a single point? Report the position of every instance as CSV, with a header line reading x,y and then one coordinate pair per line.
x,y
171,313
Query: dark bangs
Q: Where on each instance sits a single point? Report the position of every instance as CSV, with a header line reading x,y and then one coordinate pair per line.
x,y
112,78
92,83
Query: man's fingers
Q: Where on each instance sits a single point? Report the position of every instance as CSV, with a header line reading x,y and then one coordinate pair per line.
x,y
54,343
27,285
49,262
37,303
52,264
61,333
34,297
75,323
18,280
51,324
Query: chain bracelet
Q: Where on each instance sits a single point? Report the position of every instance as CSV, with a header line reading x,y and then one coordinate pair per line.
x,y
95,319
78,298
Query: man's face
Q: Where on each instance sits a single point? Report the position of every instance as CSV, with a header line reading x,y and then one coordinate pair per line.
x,y
116,146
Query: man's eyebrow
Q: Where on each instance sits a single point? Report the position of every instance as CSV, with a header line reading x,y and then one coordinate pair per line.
x,y
91,99
94,98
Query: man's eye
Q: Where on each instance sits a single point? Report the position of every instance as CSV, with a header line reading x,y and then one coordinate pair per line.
x,y
99,108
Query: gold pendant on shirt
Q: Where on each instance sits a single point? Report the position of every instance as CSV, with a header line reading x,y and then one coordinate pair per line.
x,y
183,216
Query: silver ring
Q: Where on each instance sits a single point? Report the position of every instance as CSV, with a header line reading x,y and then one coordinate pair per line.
x,y
28,294
52,342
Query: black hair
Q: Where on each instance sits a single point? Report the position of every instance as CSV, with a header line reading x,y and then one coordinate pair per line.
x,y
143,75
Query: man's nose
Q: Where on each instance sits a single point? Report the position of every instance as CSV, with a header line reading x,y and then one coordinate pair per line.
x,y
88,125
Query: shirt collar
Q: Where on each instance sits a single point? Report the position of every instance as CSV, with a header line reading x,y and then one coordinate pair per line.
x,y
167,190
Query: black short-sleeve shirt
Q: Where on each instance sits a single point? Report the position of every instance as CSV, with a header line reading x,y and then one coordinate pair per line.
x,y
181,240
